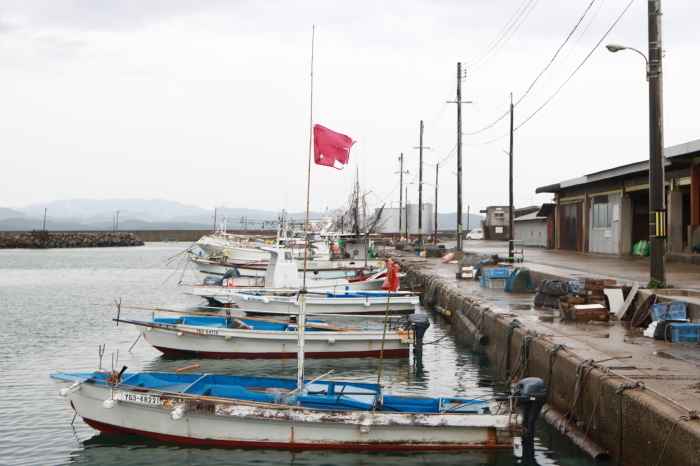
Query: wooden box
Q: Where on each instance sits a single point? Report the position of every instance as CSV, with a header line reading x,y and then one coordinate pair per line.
x,y
587,312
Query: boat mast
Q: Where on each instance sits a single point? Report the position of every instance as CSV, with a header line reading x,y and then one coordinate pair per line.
x,y
301,319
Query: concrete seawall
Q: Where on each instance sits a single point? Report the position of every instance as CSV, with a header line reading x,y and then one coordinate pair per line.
x,y
48,240
621,413
156,235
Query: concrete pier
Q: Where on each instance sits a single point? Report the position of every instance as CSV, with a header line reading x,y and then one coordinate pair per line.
x,y
634,396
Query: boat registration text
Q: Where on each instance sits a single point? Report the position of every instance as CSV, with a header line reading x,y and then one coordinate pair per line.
x,y
137,398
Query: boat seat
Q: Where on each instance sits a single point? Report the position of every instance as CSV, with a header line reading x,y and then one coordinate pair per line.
x,y
239,393
410,405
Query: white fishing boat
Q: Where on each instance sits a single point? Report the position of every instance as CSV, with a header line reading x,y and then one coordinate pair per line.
x,y
345,268
287,302
279,413
281,273
238,337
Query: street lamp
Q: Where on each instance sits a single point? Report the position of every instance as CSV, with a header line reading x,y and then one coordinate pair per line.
x,y
657,194
616,48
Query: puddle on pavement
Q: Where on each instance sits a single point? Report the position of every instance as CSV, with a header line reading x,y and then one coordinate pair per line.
x,y
663,354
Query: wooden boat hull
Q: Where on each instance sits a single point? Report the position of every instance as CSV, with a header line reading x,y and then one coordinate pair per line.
x,y
201,421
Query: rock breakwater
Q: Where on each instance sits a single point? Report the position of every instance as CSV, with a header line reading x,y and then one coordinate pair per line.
x,y
44,239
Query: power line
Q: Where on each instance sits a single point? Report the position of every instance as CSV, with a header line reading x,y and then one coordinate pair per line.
x,y
539,75
579,67
501,38
560,87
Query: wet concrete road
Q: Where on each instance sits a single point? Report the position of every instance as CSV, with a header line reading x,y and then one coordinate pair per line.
x,y
575,265
670,369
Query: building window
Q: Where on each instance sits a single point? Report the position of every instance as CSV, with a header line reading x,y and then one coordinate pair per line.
x,y
498,214
602,216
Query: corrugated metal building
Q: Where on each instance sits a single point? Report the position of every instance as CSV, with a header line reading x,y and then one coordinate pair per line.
x,y
608,211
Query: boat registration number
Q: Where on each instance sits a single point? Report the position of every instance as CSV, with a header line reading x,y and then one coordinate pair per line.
x,y
137,398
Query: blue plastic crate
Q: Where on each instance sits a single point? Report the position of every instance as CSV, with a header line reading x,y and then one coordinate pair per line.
x,y
669,311
687,334
497,272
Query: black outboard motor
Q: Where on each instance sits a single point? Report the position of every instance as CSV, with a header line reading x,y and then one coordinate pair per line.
x,y
530,395
420,324
232,273
212,281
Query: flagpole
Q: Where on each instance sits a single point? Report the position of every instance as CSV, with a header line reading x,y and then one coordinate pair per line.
x,y
301,319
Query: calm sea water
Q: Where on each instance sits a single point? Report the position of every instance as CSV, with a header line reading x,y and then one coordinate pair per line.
x,y
57,308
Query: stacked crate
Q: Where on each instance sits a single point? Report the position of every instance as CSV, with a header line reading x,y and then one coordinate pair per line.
x,y
588,303
494,277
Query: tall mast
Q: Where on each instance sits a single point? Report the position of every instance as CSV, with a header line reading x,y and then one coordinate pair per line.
x,y
301,319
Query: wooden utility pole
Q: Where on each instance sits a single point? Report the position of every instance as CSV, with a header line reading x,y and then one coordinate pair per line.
x,y
657,190
511,235
400,190
420,189
459,157
460,231
401,195
408,238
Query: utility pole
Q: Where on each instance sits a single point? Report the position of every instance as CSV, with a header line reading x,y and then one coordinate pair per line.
x,y
45,209
401,172
657,194
437,168
408,238
511,236
420,190
400,190
214,218
460,231
467,217
117,227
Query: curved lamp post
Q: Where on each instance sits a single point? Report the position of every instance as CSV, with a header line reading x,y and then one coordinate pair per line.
x,y
657,191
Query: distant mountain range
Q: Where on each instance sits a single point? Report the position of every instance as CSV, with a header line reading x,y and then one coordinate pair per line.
x,y
156,214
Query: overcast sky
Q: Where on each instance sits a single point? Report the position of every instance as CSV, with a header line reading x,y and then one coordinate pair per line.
x,y
208,102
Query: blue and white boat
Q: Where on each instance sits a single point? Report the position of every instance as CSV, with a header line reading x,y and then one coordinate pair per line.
x,y
278,413
233,337
287,302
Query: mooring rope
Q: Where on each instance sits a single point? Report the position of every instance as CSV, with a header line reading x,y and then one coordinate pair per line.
x,y
686,417
620,426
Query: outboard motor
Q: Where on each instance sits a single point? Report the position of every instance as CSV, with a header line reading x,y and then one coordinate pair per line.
x,y
420,324
212,281
232,273
530,395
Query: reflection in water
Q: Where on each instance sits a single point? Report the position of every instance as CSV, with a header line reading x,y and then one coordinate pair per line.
x,y
113,449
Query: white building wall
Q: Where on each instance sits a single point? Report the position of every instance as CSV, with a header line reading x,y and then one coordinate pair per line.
x,y
531,232
389,222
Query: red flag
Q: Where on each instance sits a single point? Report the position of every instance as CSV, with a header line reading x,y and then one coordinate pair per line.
x,y
330,148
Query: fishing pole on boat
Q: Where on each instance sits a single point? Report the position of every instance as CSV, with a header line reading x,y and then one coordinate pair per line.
x,y
137,339
299,389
